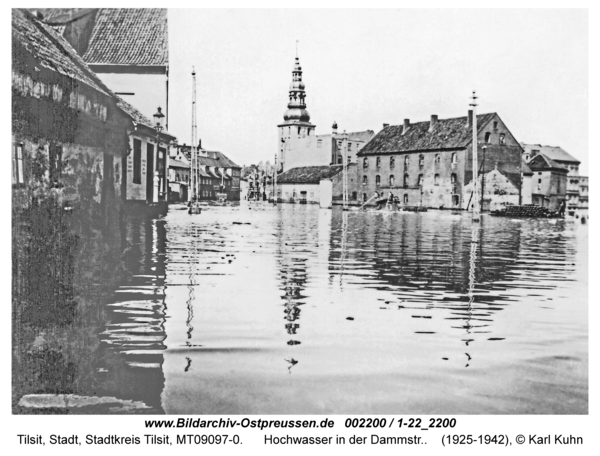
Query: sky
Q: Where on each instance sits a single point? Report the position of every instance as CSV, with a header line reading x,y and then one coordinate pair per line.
x,y
364,68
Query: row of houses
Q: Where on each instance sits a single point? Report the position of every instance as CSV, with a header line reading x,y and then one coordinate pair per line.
x,y
423,164
74,132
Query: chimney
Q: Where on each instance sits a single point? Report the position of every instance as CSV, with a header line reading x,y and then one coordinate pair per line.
x,y
406,125
434,119
386,125
470,121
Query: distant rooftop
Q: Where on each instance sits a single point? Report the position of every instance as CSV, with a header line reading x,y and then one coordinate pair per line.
x,y
553,152
543,162
308,174
447,134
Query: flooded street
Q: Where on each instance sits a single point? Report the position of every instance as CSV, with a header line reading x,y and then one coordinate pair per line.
x,y
295,309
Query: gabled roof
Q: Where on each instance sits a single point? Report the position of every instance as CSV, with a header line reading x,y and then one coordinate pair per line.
x,y
541,162
308,174
51,50
553,152
447,134
210,158
525,170
120,36
174,163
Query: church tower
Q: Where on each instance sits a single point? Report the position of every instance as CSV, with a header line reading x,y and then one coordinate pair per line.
x,y
296,120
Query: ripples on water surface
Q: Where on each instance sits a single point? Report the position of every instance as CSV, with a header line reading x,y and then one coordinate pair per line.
x,y
255,309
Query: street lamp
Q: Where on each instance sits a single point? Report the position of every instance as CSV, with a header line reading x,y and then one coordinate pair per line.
x,y
158,126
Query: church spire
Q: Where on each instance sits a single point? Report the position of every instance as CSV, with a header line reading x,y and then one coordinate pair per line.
x,y
296,111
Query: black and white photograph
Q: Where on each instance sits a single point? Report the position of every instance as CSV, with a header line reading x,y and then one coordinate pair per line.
x,y
258,212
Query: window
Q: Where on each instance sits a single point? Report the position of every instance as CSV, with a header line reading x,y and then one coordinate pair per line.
x,y
495,125
354,196
420,179
502,138
349,146
18,177
137,161
364,197
378,163
299,130
364,180
526,157
455,200
454,158
365,162
487,137
406,180
406,198
55,164
421,161
349,159
406,161
436,179
392,162
392,180
378,180
453,178
319,143
437,159
340,160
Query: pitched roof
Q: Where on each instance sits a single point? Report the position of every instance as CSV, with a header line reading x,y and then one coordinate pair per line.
x,y
553,152
210,158
129,36
120,36
447,134
542,162
308,174
174,163
51,50
525,170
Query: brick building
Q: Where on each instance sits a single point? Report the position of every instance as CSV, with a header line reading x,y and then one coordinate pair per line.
x,y
430,163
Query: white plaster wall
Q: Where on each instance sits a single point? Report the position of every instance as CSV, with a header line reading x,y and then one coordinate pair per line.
x,y
287,191
150,90
526,189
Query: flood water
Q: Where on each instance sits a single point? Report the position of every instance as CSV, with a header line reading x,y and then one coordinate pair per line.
x,y
293,309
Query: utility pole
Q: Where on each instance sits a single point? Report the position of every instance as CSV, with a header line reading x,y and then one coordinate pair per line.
x,y
193,144
475,206
275,181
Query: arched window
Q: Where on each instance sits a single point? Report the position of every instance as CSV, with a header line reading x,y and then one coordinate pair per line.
x,y
378,163
454,158
378,180
420,179
502,138
392,162
405,161
365,162
406,180
406,198
364,180
487,137
436,179
453,178
392,180
421,161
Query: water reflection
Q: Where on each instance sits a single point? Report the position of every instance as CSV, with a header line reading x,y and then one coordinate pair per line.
x,y
372,313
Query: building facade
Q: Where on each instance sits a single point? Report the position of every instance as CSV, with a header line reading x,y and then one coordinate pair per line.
x,y
179,180
211,173
584,192
562,157
429,164
549,182
302,185
126,47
